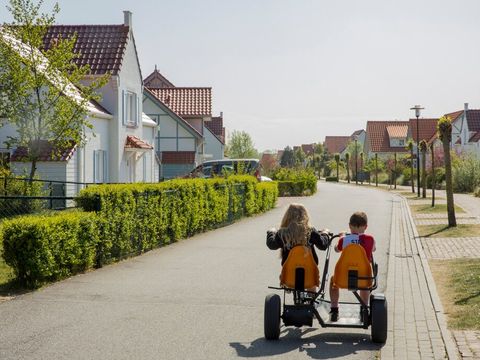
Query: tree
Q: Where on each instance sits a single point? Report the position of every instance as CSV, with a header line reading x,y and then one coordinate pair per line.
x,y
299,156
347,163
423,149
288,158
376,169
43,96
410,148
395,175
337,160
434,179
240,146
444,128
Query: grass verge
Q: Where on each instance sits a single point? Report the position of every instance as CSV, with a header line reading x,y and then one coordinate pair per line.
x,y
458,283
438,208
441,231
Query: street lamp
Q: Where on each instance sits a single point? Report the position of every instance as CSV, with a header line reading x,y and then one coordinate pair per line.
x,y
417,109
356,160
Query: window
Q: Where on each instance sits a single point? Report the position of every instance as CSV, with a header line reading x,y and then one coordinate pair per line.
x,y
100,166
130,109
401,142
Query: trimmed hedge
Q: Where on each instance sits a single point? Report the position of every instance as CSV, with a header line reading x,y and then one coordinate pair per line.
x,y
331,179
295,182
123,220
47,248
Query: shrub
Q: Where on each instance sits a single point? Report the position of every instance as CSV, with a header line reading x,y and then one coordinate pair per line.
x,y
439,178
295,182
47,248
331,179
466,173
477,192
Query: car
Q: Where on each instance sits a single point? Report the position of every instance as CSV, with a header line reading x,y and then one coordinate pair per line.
x,y
225,167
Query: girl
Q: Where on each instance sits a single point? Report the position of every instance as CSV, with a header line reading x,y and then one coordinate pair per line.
x,y
295,229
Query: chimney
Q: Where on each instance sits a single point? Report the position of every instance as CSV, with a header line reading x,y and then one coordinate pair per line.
x,y
127,18
465,107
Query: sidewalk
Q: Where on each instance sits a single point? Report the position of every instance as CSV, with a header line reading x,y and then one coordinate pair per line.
x,y
417,329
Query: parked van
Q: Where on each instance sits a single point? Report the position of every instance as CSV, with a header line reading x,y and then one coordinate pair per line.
x,y
227,167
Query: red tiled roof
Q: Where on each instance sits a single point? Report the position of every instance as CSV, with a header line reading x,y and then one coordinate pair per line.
x,y
377,136
308,149
100,46
268,158
473,120
134,142
156,80
454,115
178,157
215,125
475,137
397,131
47,152
186,101
336,144
427,128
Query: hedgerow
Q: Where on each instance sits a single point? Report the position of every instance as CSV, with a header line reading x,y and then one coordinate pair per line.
x,y
123,220
295,182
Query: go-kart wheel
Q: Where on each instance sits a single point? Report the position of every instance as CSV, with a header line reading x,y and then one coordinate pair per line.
x,y
379,318
271,321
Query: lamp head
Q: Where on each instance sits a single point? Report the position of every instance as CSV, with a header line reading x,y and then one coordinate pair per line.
x,y
417,109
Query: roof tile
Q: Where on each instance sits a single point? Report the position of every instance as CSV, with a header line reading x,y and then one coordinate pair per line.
x,y
336,144
377,136
48,152
186,101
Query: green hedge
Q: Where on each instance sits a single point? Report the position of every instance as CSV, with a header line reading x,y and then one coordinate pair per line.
x,y
43,248
331,179
295,182
123,220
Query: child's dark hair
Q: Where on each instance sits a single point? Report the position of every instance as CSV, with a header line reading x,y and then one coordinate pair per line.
x,y
359,218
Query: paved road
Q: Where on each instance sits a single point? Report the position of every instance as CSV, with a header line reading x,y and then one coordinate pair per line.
x,y
201,298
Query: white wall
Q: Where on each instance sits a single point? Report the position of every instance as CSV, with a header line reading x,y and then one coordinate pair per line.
x,y
213,147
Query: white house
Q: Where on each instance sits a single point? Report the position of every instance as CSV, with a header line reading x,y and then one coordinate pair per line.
x,y
119,148
466,130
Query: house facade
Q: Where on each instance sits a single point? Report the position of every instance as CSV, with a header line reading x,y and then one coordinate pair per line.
x,y
119,147
188,135
466,130
386,138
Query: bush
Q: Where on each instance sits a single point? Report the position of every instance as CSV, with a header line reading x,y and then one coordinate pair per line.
x,y
41,248
127,219
466,173
331,179
295,182
477,192
439,178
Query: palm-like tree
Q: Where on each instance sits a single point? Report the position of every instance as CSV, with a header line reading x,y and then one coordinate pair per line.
x,y
434,180
410,148
423,149
337,160
376,169
347,160
444,128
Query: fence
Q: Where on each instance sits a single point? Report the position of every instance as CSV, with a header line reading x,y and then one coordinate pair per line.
x,y
20,196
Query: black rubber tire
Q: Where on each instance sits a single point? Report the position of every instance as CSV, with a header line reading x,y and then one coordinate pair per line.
x,y
379,315
271,321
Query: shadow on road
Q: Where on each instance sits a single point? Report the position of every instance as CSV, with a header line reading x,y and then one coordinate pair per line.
x,y
320,346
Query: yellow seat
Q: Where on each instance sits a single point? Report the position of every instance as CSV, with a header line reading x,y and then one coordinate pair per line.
x,y
300,257
353,261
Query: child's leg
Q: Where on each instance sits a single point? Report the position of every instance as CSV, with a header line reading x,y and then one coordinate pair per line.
x,y
365,295
334,294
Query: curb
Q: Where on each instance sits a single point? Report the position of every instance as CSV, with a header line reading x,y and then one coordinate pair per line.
x,y
450,347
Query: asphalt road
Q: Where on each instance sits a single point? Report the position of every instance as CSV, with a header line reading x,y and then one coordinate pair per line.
x,y
200,298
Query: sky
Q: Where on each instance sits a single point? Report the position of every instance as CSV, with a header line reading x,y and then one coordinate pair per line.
x,y
291,72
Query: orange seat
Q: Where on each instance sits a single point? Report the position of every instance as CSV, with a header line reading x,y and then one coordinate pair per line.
x,y
300,257
353,261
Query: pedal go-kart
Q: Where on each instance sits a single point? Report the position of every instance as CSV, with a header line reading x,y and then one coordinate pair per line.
x,y
300,272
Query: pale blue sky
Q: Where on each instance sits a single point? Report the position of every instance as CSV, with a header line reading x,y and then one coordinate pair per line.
x,y
292,71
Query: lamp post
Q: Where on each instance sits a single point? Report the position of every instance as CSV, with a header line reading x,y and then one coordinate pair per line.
x,y
417,109
356,160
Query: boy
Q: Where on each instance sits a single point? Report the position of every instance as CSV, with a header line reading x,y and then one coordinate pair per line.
x,y
358,224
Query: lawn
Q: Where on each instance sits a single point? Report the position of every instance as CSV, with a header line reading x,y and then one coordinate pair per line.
x,y
458,283
438,208
441,231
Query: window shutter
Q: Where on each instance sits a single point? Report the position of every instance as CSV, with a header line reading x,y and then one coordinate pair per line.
x,y
124,108
105,167
94,166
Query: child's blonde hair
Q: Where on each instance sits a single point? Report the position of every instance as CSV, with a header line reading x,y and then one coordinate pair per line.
x,y
295,228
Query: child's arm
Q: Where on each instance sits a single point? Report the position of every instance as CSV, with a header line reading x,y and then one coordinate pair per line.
x,y
273,240
321,239
339,245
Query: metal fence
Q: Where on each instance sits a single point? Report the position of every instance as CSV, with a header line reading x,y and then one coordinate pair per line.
x,y
20,196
